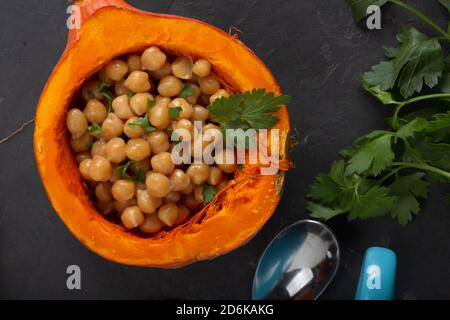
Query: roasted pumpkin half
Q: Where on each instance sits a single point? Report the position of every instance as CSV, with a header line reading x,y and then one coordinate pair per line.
x,y
111,28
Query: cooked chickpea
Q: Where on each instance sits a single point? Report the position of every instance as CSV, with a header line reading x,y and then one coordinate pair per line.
x,y
215,176
147,203
137,149
192,99
115,175
186,108
226,161
123,190
190,202
143,165
198,173
162,163
132,129
82,156
138,81
84,168
81,144
168,213
112,126
134,62
95,111
172,197
209,84
105,80
183,214
182,68
98,148
186,125
198,193
122,108
152,58
100,169
165,70
120,206
202,68
219,94
106,207
115,150
120,88
189,189
132,217
159,141
200,113
152,224
179,180
159,115
116,69
170,86
76,123
138,102
158,185
103,191
91,90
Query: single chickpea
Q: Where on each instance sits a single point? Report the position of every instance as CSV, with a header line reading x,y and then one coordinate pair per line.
x,y
198,193
134,62
84,168
115,150
168,213
138,81
165,70
132,129
158,185
162,163
123,190
215,176
170,86
159,141
153,58
202,68
95,111
182,68
200,113
122,108
81,144
139,102
103,192
98,148
221,93
179,180
159,115
100,169
132,217
198,173
147,203
209,84
186,108
76,122
151,224
137,149
112,127
116,69
91,90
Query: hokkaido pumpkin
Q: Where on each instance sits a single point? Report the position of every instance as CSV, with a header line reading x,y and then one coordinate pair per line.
x,y
110,28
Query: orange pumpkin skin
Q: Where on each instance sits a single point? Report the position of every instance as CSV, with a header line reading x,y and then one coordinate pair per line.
x,y
111,28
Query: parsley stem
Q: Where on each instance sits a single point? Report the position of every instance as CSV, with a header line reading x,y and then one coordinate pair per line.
x,y
422,17
417,99
423,166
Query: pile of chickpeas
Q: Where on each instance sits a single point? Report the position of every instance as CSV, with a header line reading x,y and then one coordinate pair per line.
x,y
105,138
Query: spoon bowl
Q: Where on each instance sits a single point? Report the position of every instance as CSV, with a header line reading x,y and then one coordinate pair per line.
x,y
298,264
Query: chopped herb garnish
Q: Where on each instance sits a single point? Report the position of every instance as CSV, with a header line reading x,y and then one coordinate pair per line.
x,y
107,94
143,122
174,112
187,91
123,170
130,93
209,192
95,129
140,176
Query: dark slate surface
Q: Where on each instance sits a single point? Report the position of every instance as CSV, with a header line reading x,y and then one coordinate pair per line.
x,y
314,50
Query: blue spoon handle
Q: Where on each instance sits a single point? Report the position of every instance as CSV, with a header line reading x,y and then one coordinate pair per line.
x,y
377,275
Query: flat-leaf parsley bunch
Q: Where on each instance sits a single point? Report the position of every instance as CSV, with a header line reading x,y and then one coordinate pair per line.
x,y
385,171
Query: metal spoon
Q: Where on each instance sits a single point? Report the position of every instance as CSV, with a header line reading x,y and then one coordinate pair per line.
x,y
298,264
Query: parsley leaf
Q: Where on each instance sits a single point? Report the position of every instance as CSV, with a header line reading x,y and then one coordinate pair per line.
x,y
209,192
107,94
359,7
187,91
123,170
406,190
130,93
375,202
446,4
144,122
418,60
174,112
95,129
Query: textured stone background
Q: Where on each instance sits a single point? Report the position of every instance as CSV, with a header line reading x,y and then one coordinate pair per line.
x,y
314,50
